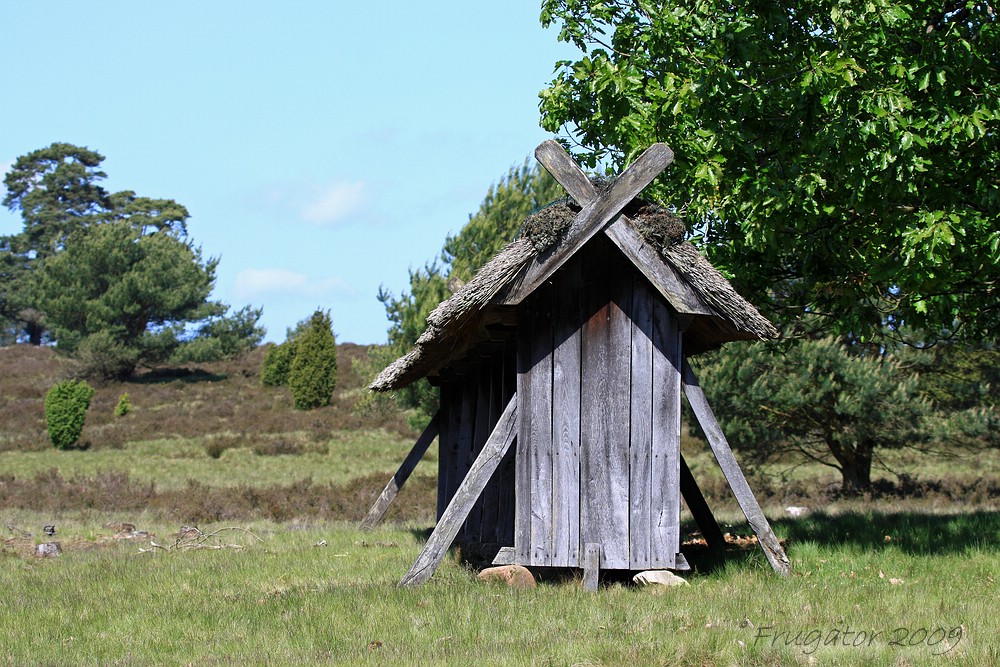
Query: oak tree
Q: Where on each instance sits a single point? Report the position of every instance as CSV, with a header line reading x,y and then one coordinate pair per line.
x,y
837,159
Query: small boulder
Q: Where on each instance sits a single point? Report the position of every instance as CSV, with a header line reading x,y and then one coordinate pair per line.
x,y
48,549
514,576
659,578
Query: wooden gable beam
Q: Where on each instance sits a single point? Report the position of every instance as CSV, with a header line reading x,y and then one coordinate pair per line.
x,y
551,155
662,275
597,212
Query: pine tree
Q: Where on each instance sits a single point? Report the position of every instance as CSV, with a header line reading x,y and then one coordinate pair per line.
x,y
313,373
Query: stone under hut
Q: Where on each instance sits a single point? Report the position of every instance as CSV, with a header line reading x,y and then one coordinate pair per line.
x,y
561,367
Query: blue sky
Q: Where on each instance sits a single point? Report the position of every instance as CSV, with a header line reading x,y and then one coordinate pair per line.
x,y
322,148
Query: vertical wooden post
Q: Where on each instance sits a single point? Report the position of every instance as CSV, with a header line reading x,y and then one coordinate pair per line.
x,y
397,481
591,566
465,497
731,469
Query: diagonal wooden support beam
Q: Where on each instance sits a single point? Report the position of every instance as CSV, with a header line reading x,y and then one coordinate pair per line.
x,y
734,475
600,207
397,481
465,497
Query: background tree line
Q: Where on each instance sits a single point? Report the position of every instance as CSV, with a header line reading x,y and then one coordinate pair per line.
x,y
837,162
111,278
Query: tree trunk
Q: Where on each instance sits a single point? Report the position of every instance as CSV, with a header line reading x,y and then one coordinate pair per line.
x,y
856,470
34,331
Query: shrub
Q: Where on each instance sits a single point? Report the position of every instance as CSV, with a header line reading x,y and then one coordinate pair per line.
x,y
222,337
104,357
277,364
66,406
124,405
216,446
313,372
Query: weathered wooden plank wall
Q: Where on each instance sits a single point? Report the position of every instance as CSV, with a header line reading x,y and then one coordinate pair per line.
x,y
599,381
483,469
471,404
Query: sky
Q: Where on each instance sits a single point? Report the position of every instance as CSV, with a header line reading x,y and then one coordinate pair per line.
x,y
323,148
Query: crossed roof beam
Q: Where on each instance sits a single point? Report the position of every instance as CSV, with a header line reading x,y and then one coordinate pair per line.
x,y
602,211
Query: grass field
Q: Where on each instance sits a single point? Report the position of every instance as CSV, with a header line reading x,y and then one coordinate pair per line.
x,y
925,598
906,577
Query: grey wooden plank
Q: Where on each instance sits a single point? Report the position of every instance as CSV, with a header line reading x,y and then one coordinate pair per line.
x,y
640,173
540,412
506,477
397,481
455,462
493,381
734,475
482,429
567,319
468,492
446,437
660,273
700,510
564,169
615,554
604,409
522,462
593,218
641,420
657,270
593,399
592,563
665,468
466,435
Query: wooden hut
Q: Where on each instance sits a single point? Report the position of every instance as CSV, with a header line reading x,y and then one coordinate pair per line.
x,y
561,366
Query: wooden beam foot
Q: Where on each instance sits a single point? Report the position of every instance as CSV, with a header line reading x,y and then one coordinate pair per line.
x,y
591,566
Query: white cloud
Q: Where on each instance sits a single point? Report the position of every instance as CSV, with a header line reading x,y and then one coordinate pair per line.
x,y
334,203
252,283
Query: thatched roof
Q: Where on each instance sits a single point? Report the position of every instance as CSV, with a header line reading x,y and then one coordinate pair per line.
x,y
649,235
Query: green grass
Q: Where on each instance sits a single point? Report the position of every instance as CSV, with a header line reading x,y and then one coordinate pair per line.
x,y
899,568
282,600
